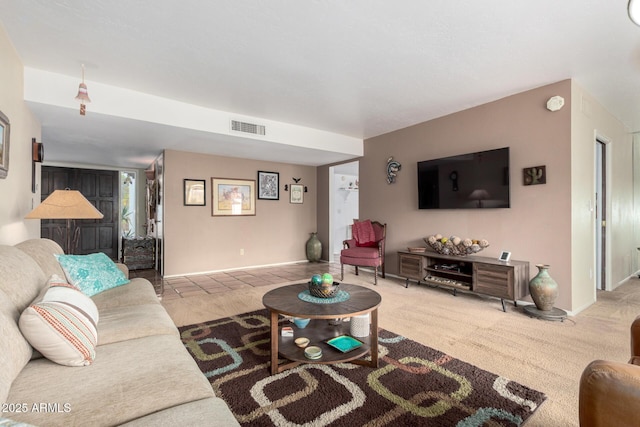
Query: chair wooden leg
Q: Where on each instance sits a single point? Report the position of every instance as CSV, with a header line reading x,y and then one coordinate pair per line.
x,y
356,270
341,272
383,273
375,276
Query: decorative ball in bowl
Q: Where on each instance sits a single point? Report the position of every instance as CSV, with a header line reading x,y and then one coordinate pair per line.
x,y
326,288
455,245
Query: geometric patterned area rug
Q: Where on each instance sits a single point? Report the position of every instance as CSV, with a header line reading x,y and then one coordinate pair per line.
x,y
413,386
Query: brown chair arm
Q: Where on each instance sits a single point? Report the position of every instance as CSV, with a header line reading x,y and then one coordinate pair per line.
x,y
635,337
350,243
609,394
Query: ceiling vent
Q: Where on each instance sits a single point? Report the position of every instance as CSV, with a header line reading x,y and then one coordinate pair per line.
x,y
248,127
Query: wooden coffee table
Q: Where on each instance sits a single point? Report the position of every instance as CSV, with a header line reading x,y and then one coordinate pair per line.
x,y
285,301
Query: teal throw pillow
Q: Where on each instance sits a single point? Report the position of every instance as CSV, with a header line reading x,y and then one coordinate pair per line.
x,y
93,273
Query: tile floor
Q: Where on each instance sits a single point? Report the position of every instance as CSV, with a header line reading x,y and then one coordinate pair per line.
x,y
202,284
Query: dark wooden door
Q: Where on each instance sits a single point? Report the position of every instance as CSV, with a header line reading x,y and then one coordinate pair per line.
x,y
100,187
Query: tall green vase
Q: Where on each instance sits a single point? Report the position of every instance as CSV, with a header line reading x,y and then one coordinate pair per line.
x,y
314,248
543,289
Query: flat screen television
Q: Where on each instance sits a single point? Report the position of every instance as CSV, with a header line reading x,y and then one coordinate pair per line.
x,y
468,181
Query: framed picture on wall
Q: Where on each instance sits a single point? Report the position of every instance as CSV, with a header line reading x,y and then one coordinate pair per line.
x,y
233,197
268,185
194,192
4,145
296,194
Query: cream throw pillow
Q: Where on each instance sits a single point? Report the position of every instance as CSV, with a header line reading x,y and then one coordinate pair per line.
x,y
62,325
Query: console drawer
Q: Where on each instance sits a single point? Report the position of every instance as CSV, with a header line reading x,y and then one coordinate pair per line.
x,y
494,280
410,266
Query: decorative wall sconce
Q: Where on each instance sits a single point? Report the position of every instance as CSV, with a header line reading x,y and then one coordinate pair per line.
x,y
37,156
83,95
296,180
392,170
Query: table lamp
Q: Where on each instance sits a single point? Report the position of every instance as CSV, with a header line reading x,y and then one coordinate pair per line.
x,y
70,205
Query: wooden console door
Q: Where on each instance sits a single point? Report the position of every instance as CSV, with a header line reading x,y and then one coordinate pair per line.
x,y
100,187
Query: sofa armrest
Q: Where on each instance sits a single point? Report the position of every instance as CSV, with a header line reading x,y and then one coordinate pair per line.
x,y
609,394
123,268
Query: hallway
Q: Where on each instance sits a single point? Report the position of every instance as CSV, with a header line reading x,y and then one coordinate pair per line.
x,y
211,283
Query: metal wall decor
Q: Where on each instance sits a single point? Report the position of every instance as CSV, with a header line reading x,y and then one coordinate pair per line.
x,y
392,170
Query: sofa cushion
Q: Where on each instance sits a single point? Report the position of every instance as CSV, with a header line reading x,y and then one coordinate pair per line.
x,y
361,252
128,380
93,273
62,326
211,412
137,291
134,321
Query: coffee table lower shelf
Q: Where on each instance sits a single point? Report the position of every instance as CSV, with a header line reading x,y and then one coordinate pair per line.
x,y
319,331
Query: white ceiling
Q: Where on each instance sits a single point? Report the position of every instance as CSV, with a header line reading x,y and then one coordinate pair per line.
x,y
359,68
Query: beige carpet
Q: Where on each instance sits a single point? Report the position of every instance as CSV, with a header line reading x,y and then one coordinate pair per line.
x,y
546,356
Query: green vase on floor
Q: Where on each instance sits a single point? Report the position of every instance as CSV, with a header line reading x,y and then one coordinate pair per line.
x,y
543,289
314,248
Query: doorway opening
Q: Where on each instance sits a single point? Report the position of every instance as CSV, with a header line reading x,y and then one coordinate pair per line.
x,y
344,185
601,198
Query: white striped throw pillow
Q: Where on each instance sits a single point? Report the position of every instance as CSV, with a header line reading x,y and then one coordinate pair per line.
x,y
62,326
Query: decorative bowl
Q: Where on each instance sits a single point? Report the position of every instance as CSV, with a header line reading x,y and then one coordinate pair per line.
x,y
455,245
324,290
313,352
302,342
301,322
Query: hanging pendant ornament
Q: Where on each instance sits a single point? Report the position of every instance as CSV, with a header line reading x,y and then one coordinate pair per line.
x,y
83,95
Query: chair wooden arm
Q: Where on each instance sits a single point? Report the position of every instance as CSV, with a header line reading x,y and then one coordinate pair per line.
x,y
349,243
609,395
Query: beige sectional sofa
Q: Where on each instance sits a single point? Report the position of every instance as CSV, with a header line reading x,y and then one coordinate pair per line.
x,y
141,376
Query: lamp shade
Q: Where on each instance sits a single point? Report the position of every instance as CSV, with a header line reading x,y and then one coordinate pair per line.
x,y
65,204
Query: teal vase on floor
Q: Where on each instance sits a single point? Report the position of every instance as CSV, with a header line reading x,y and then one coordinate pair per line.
x,y
543,289
314,248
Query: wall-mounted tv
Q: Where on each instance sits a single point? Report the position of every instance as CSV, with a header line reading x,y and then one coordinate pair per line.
x,y
468,181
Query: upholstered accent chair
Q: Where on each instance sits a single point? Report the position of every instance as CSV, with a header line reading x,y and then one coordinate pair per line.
x,y
610,391
365,248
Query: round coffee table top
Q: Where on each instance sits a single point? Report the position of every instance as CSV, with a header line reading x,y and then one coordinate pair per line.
x,y
285,300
